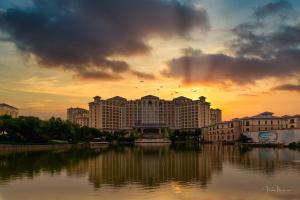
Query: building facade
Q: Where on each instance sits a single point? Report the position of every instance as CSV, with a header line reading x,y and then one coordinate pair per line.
x,y
265,121
118,113
223,131
215,116
6,109
78,116
292,121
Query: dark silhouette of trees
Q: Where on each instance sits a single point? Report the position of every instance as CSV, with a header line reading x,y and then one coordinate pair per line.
x,y
34,130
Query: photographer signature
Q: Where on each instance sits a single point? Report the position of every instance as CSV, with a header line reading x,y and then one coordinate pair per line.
x,y
275,188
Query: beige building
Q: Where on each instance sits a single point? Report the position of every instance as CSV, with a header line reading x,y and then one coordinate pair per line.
x,y
223,131
215,116
6,109
78,116
266,121
263,122
118,113
292,121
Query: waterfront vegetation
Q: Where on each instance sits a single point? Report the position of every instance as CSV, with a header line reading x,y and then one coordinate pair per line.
x,y
294,145
32,130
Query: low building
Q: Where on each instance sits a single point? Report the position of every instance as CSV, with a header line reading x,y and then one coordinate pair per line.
x,y
262,122
228,131
231,130
292,121
6,109
78,116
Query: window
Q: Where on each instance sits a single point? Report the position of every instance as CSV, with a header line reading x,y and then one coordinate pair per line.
x,y
292,121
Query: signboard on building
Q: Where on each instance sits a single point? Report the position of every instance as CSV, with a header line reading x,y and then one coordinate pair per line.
x,y
267,137
275,136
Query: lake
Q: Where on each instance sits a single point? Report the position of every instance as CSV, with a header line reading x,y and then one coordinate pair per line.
x,y
183,172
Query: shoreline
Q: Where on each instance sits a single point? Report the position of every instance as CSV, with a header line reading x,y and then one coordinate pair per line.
x,y
11,148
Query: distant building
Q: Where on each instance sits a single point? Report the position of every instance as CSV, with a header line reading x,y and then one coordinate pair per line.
x,y
266,121
6,109
118,113
78,116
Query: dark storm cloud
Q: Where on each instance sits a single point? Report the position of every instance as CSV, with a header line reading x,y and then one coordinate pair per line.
x,y
79,35
218,68
288,87
259,50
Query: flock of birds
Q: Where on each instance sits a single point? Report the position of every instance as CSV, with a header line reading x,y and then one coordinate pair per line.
x,y
161,87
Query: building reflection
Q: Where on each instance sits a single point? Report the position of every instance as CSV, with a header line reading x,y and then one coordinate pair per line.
x,y
147,166
154,166
150,167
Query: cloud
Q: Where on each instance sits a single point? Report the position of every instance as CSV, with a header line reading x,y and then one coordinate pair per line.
x,y
259,50
84,36
96,75
281,8
219,68
288,87
143,75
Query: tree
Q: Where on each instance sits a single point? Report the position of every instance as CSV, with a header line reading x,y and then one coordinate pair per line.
x,y
244,139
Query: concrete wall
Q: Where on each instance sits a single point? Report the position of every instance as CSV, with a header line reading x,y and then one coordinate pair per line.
x,y
275,136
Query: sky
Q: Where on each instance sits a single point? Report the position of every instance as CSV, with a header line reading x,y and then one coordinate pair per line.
x,y
244,56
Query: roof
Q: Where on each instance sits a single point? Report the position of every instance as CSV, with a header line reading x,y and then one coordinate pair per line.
x,y
117,98
264,115
6,105
181,98
150,97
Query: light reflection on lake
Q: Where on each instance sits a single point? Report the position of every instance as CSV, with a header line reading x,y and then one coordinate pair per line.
x,y
176,172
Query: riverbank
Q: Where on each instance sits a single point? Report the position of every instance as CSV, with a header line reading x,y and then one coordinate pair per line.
x,y
9,148
261,145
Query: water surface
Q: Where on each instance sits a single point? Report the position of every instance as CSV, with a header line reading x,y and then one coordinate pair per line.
x,y
135,173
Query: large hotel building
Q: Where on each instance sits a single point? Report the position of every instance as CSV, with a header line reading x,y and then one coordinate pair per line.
x,y
118,113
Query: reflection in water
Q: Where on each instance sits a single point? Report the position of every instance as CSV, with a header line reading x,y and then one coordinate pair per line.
x,y
31,164
149,167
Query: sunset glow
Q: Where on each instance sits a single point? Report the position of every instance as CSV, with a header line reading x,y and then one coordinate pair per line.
x,y
210,52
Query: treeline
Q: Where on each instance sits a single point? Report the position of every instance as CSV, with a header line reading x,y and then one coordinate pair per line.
x,y
34,130
55,130
185,136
